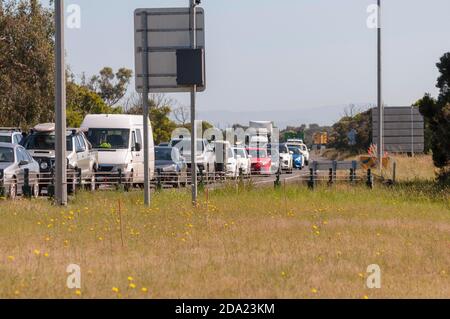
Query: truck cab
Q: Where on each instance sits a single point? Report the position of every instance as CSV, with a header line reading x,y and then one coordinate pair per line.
x,y
119,141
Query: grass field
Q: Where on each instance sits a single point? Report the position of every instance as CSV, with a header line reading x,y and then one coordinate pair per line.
x,y
289,243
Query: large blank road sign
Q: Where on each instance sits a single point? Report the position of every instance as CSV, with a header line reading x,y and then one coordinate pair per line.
x,y
168,30
403,130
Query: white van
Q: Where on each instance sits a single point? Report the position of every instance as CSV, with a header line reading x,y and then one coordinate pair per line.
x,y
119,142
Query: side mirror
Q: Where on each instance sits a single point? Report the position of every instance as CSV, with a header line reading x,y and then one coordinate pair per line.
x,y
137,147
292,153
23,163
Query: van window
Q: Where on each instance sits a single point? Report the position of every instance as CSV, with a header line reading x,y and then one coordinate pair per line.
x,y
79,144
109,138
139,136
133,139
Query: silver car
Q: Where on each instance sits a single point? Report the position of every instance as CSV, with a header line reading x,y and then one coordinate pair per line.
x,y
14,160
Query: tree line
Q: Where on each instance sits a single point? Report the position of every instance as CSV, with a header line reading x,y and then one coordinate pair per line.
x,y
27,71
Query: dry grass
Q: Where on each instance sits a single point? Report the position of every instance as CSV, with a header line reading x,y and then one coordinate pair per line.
x,y
258,244
409,169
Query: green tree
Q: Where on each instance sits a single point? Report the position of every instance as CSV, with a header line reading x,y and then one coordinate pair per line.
x,y
160,109
361,123
26,63
437,116
82,101
110,86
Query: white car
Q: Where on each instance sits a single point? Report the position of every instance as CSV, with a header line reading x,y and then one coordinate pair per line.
x,y
10,135
286,159
40,143
244,162
205,154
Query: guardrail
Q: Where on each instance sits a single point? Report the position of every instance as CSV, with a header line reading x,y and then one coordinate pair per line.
x,y
323,172
333,172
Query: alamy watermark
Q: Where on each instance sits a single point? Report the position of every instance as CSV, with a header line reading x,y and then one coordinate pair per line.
x,y
74,279
374,279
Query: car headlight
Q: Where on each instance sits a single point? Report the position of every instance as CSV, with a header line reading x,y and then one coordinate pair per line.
x,y
44,165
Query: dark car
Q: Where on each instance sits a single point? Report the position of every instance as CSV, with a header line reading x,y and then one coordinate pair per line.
x,y
170,166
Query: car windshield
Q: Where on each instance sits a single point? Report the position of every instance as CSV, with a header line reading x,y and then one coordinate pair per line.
x,y
295,150
6,155
259,153
115,139
282,149
239,152
45,142
185,146
5,139
165,154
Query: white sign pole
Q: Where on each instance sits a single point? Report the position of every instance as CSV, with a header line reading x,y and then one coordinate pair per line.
x,y
193,24
60,108
145,94
380,97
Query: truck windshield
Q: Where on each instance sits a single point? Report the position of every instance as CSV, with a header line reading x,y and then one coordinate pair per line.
x,y
45,142
6,155
115,139
5,139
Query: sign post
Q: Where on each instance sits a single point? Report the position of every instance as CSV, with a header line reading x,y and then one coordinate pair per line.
x,y
169,58
60,108
145,72
379,93
193,36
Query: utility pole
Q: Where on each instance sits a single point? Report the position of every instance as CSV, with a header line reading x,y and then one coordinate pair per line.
x,y
145,93
60,108
193,27
380,96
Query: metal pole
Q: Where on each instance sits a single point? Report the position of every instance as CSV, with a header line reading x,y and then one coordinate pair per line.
x,y
380,98
193,25
412,131
145,65
60,107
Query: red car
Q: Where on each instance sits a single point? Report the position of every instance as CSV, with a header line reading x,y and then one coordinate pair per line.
x,y
261,161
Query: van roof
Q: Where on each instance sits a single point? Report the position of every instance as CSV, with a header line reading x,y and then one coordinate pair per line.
x,y
118,121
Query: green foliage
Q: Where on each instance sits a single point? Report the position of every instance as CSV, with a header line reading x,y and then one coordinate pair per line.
x,y
26,63
82,101
437,116
110,86
160,110
361,123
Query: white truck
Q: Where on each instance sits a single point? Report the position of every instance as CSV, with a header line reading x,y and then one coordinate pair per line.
x,y
119,141
260,133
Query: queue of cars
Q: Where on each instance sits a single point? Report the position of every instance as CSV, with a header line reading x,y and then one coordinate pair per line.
x,y
107,146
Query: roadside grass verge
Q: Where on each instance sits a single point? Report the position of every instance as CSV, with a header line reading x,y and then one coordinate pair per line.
x,y
259,243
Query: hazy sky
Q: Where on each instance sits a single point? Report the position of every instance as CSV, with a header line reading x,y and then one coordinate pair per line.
x,y
285,54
